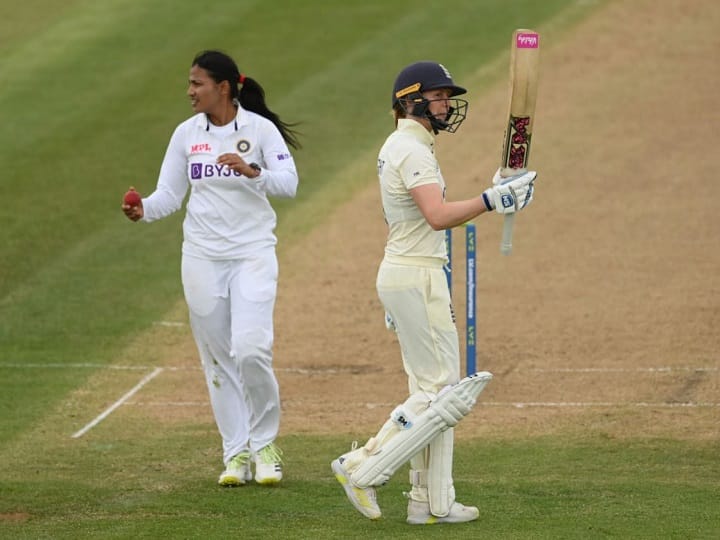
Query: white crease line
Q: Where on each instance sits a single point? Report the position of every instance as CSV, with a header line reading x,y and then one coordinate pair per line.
x,y
332,371
75,366
170,323
513,404
88,365
302,371
119,402
369,369
559,404
521,405
168,403
621,370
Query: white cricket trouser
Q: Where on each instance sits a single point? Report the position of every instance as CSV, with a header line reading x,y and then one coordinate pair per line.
x,y
418,301
231,314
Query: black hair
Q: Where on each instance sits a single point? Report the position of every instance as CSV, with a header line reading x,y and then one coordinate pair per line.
x,y
246,90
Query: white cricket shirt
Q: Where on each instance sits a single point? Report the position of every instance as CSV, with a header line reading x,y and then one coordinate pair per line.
x,y
407,160
228,215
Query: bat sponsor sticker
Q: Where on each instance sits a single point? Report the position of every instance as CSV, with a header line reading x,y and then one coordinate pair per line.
x,y
517,143
528,40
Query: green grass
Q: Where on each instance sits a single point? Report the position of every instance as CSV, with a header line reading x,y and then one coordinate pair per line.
x,y
120,487
91,92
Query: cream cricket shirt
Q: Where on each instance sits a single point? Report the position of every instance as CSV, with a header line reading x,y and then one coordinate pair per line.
x,y
228,214
406,161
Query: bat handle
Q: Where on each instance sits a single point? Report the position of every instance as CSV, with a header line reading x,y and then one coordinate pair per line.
x,y
506,242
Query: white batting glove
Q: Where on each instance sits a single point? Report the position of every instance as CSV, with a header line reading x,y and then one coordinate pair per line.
x,y
510,194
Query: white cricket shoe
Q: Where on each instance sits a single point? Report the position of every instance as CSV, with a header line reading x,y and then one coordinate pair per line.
x,y
268,465
419,514
237,472
363,499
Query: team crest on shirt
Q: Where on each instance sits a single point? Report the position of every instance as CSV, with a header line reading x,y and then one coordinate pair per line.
x,y
243,146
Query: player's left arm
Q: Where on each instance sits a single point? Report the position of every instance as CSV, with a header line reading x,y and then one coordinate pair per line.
x,y
278,174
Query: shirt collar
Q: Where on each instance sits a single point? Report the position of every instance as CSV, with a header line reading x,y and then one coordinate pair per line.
x,y
416,129
241,119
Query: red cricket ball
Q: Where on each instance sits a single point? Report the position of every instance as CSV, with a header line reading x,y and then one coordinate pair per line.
x,y
132,198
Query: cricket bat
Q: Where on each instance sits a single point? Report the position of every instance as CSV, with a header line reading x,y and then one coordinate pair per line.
x,y
524,72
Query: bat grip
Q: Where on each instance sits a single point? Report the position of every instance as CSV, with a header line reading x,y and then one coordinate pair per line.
x,y
506,242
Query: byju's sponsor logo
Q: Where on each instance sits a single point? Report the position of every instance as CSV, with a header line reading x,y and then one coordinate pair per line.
x,y
206,171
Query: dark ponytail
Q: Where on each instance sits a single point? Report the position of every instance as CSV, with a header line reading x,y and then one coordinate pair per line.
x,y
245,89
252,97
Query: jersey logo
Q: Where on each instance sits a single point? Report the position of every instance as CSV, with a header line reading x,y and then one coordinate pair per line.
x,y
207,171
243,146
202,147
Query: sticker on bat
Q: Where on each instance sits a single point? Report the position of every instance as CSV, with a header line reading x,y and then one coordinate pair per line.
x,y
517,143
528,40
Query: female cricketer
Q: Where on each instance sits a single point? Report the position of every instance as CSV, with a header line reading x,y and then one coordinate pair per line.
x,y
231,155
413,289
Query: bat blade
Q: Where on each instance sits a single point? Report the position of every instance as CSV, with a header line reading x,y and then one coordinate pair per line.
x,y
524,75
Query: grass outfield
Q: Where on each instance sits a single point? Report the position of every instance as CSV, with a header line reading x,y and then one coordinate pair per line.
x,y
122,483
91,92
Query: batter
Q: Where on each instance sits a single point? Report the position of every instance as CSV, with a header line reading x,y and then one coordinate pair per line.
x,y
413,289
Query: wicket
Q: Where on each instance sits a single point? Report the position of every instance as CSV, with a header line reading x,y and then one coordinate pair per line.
x,y
470,292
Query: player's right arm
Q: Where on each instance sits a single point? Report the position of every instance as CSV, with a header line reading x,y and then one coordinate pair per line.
x,y
507,195
441,214
172,182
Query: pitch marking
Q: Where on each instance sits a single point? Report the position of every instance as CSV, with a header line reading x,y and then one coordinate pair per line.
x,y
117,404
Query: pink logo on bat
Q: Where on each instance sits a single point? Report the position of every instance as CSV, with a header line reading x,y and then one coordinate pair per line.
x,y
528,40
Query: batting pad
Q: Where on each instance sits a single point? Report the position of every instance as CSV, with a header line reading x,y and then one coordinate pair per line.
x,y
445,411
441,492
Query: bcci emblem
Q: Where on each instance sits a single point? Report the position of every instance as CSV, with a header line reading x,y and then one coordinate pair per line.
x,y
243,146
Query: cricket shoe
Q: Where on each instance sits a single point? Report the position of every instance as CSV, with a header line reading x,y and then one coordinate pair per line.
x,y
237,472
268,465
419,514
363,499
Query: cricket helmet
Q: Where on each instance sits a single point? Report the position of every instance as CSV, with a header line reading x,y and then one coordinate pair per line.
x,y
420,77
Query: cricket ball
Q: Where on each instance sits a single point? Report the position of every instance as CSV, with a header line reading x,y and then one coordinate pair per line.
x,y
132,198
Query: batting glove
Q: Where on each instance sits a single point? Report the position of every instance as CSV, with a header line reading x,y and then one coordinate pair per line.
x,y
510,194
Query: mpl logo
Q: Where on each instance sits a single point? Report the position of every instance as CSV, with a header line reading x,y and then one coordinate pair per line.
x,y
507,201
202,147
527,40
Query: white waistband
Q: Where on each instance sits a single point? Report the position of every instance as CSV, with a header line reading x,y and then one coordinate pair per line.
x,y
431,262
